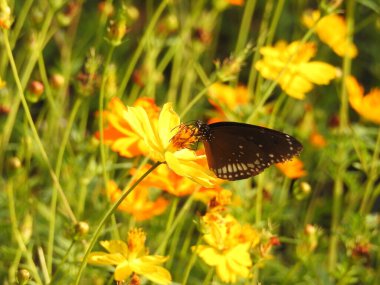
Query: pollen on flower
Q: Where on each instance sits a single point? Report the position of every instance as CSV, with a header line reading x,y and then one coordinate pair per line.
x,y
186,136
136,240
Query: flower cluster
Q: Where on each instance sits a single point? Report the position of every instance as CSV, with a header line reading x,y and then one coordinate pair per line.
x,y
290,66
132,257
332,30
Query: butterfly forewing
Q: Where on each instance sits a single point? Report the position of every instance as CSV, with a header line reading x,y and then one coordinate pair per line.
x,y
237,151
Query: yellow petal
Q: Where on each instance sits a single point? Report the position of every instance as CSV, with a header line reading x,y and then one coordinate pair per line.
x,y
190,169
167,123
318,72
122,271
210,255
224,273
102,258
115,246
147,266
139,121
295,85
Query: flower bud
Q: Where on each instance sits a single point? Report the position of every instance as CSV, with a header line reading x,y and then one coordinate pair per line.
x,y
81,229
23,276
35,91
57,80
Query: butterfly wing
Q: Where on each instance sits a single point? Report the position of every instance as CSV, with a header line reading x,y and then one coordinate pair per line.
x,y
237,151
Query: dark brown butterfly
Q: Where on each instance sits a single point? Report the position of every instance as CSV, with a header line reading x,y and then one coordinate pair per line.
x,y
237,151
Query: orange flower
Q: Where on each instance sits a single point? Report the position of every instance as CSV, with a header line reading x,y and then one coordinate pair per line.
x,y
332,30
137,202
317,140
367,106
236,2
118,134
222,97
292,168
290,66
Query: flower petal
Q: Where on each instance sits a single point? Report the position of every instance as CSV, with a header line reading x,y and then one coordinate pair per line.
x,y
115,246
103,258
191,170
167,123
123,271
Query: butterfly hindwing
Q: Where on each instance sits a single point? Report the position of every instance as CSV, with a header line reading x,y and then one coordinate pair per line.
x,y
237,151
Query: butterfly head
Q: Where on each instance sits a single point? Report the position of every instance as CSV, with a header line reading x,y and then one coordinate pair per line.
x,y
204,133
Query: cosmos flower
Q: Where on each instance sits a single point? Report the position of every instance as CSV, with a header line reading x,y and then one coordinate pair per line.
x,y
332,30
227,246
118,133
290,66
224,97
131,257
160,136
2,83
292,168
138,203
367,106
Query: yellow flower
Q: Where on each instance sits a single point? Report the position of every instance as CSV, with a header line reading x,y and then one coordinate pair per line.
x,y
368,106
6,18
131,257
118,133
2,83
332,30
227,97
292,168
227,246
137,202
291,67
161,139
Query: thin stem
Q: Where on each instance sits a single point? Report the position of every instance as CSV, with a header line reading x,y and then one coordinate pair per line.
x,y
17,235
372,176
54,198
190,264
34,130
101,117
185,208
106,216
140,47
195,100
245,25
343,118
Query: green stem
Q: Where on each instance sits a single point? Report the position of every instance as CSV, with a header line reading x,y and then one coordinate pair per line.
x,y
54,198
195,100
245,25
101,117
190,264
343,119
34,130
184,210
27,70
17,235
106,216
209,276
372,176
148,33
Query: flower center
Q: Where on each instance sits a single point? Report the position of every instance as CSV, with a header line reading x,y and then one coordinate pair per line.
x,y
186,136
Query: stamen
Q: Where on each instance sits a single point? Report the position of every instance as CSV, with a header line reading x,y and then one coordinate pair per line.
x,y
185,137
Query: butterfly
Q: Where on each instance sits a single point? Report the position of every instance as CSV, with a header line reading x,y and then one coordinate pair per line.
x,y
237,151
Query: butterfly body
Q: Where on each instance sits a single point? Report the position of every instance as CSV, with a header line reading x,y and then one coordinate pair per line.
x,y
237,151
